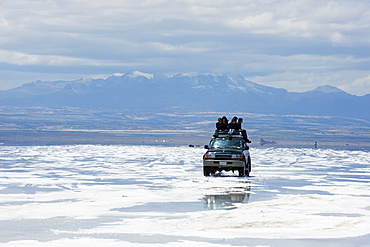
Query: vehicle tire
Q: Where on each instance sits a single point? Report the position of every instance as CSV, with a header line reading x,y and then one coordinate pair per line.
x,y
241,172
249,164
206,171
246,172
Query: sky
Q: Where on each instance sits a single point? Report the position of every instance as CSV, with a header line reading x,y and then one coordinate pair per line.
x,y
293,44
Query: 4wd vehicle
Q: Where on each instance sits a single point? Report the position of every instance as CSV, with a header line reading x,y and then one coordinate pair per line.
x,y
229,153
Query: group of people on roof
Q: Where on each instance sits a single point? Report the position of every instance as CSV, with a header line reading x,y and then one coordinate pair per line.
x,y
234,127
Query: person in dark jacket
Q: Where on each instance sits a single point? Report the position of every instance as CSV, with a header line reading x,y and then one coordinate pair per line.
x,y
243,131
239,123
219,125
225,123
233,125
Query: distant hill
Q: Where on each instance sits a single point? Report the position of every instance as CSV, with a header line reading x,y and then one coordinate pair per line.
x,y
157,92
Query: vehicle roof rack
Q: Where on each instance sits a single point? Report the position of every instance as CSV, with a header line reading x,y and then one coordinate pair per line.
x,y
225,134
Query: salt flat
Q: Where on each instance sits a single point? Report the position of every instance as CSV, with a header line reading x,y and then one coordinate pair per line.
x,y
138,195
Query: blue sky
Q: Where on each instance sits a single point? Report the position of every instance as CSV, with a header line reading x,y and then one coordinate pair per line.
x,y
296,44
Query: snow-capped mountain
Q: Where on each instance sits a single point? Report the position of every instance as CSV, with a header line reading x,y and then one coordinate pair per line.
x,y
327,89
156,92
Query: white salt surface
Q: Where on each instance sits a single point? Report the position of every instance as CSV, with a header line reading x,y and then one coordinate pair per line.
x,y
157,196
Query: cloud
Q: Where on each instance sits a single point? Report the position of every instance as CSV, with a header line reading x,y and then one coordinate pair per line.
x,y
359,86
310,19
337,38
253,38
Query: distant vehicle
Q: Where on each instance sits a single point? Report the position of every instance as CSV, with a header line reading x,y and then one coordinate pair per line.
x,y
263,142
229,153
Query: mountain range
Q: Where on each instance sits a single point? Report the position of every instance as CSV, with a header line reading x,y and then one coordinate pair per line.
x,y
159,93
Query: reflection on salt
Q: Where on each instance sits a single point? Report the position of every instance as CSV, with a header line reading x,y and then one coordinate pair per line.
x,y
225,201
227,198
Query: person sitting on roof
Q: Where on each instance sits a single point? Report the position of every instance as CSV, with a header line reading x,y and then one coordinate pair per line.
x,y
225,123
219,125
233,126
243,131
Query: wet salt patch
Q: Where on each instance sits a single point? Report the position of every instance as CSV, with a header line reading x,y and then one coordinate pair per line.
x,y
267,220
340,215
136,241
169,207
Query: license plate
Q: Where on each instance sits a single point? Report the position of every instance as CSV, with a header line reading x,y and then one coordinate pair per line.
x,y
223,163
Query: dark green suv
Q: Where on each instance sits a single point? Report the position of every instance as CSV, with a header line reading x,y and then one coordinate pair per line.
x,y
228,153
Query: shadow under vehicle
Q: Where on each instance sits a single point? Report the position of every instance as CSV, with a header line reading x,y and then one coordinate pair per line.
x,y
229,153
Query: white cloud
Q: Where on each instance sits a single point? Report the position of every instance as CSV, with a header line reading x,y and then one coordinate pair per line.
x,y
337,38
305,81
320,19
19,58
360,86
